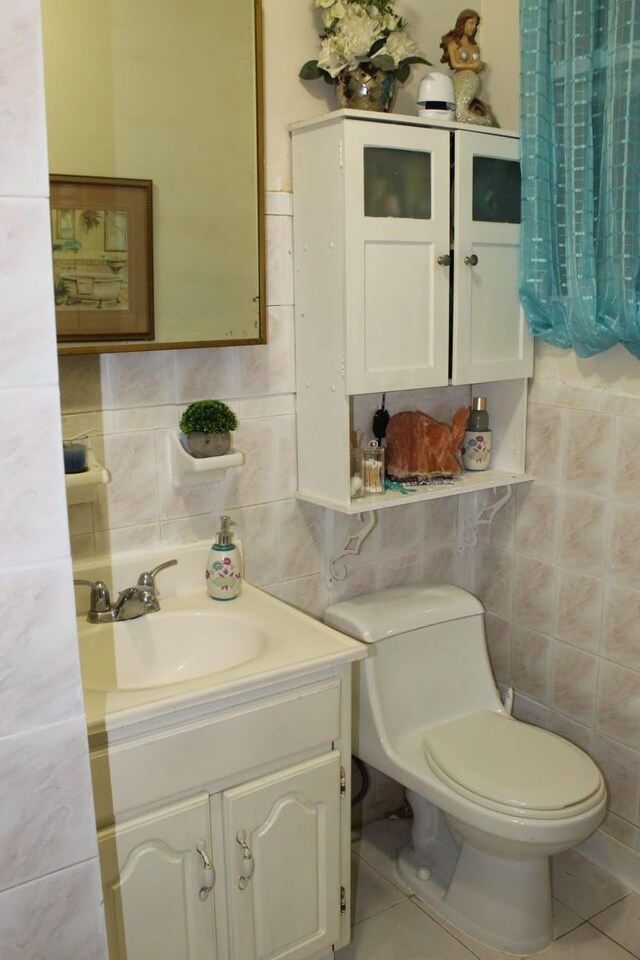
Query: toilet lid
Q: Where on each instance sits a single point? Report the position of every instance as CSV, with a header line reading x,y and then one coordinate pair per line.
x,y
511,763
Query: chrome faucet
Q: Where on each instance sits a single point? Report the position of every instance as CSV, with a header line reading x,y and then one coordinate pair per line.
x,y
130,603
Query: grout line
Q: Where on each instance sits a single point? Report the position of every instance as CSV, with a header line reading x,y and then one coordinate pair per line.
x,y
619,945
612,904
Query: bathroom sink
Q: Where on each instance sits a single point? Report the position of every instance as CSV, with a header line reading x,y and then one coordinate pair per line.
x,y
165,648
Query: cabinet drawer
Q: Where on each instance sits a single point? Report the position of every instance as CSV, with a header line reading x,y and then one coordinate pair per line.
x,y
212,750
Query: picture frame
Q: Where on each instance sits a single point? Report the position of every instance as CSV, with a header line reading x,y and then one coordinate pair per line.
x,y
102,249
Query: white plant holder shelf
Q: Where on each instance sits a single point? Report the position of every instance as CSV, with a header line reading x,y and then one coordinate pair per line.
x,y
83,487
187,471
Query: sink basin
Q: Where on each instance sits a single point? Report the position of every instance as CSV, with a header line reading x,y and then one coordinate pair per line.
x,y
165,648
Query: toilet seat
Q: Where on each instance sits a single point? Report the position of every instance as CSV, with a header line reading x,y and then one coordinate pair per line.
x,y
512,767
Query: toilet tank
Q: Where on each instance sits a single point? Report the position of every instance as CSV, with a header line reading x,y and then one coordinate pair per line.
x,y
427,660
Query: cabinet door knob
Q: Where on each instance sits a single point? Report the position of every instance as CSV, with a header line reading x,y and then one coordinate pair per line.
x,y
444,260
471,261
247,858
208,875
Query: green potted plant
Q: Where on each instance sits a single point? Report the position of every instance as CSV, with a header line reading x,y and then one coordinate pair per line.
x,y
206,425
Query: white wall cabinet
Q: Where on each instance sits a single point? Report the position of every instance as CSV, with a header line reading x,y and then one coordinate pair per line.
x,y
406,236
270,814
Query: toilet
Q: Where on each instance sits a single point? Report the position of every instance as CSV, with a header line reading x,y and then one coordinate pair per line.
x,y
492,798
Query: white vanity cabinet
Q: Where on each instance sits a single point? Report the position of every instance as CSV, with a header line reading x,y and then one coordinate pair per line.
x,y
406,240
282,853
257,787
157,888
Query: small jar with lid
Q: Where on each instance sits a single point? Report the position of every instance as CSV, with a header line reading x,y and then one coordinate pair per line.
x,y
373,468
476,446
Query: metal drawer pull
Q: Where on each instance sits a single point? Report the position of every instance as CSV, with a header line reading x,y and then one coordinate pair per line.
x,y
445,260
471,261
208,874
248,861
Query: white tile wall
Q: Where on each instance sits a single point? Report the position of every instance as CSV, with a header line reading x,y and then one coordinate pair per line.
x,y
49,879
133,400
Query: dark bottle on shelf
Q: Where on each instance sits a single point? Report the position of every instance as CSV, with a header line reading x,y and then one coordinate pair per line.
x,y
478,418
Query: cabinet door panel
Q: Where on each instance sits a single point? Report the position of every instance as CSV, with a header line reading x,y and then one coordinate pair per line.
x,y
496,338
491,340
397,217
289,903
152,875
394,316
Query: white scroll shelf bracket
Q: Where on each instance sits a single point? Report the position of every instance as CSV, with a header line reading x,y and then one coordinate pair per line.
x,y
336,568
481,516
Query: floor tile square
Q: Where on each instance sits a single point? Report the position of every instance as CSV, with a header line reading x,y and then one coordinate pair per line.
x,y
402,932
370,891
585,943
583,886
621,922
379,843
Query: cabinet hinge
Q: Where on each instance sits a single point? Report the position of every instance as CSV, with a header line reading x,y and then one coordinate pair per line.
x,y
343,900
343,781
340,155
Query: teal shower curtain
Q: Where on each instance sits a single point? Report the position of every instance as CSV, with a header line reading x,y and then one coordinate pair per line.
x,y
580,144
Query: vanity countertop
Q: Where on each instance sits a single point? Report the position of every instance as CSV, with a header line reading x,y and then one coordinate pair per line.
x,y
295,645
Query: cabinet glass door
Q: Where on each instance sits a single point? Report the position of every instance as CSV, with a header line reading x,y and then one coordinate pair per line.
x,y
496,190
490,338
396,182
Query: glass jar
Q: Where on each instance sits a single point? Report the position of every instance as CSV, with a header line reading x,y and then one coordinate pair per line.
x,y
373,468
357,481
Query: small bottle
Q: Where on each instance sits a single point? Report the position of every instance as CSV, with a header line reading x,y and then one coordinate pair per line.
x,y
223,573
479,417
476,446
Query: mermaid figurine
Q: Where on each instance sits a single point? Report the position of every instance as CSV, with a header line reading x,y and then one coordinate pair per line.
x,y
462,53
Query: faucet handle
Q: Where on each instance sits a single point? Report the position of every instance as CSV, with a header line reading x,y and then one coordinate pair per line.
x,y
147,579
100,601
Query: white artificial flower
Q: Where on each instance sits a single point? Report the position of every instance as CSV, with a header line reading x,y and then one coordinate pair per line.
x,y
399,46
335,12
332,58
359,32
325,3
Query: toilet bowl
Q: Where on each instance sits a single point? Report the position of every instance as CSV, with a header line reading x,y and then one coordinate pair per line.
x,y
492,797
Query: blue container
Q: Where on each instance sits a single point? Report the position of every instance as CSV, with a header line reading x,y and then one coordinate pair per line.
x,y
75,456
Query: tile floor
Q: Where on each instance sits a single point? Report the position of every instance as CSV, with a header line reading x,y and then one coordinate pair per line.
x,y
596,916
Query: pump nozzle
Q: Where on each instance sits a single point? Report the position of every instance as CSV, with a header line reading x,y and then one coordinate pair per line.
x,y
224,536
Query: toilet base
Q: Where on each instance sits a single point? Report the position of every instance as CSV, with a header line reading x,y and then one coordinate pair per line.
x,y
505,904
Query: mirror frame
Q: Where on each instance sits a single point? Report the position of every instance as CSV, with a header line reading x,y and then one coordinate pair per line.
x,y
66,348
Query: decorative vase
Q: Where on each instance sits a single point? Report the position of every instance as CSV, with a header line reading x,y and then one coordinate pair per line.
x,y
208,444
358,90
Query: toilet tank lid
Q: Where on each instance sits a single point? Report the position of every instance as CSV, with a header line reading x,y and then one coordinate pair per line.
x,y
386,613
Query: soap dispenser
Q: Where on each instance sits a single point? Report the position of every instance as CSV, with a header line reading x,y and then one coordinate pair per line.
x,y
224,565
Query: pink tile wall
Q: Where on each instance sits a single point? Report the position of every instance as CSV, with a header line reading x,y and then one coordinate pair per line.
x,y
566,591
49,878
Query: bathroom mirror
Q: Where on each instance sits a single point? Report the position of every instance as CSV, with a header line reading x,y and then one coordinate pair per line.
x,y
151,90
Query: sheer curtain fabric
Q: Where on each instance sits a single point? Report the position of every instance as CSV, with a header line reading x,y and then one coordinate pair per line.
x,y
580,143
